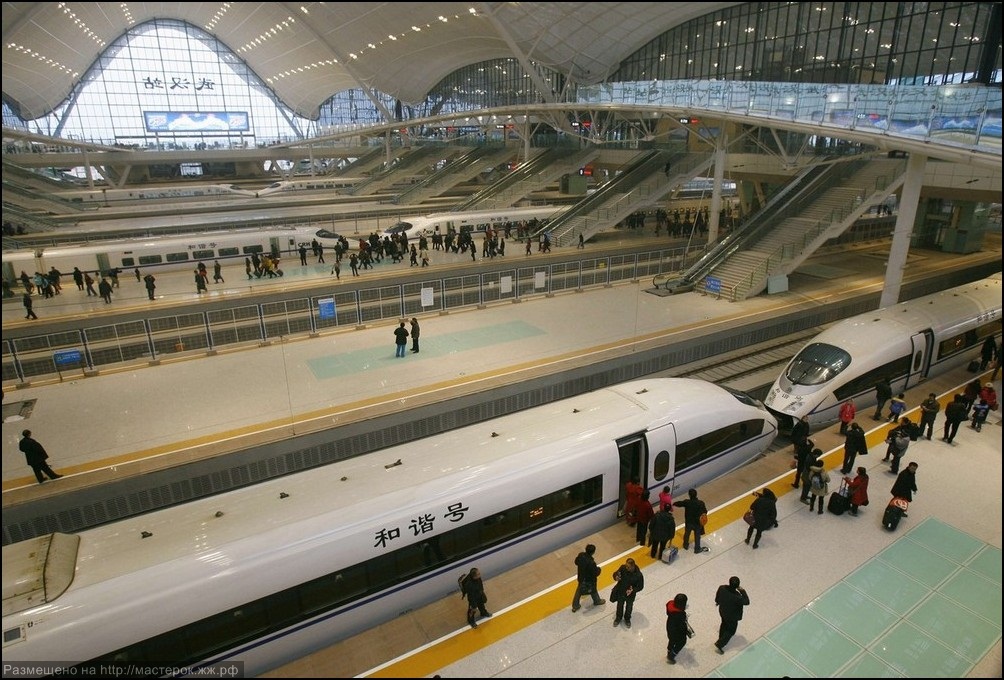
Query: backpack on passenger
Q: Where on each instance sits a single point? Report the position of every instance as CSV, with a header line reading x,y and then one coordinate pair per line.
x,y
460,583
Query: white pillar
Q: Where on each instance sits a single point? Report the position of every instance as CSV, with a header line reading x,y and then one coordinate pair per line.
x,y
909,200
716,187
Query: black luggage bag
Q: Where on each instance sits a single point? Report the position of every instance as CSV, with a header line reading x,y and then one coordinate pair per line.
x,y
974,366
838,503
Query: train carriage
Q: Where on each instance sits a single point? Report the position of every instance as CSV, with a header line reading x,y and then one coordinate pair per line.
x,y
271,572
906,343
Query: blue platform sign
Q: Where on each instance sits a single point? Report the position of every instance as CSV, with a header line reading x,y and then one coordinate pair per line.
x,y
713,285
67,357
326,308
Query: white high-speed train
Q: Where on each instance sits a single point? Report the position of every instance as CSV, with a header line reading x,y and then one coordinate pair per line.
x,y
269,573
168,253
476,221
906,343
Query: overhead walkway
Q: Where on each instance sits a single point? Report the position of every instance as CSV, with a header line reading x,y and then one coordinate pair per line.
x,y
536,173
819,205
642,184
463,169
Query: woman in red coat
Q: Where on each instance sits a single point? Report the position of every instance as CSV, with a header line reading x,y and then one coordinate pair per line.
x,y
632,491
847,412
858,488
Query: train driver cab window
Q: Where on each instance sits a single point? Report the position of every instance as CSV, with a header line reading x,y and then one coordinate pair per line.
x,y
818,363
177,257
202,255
325,233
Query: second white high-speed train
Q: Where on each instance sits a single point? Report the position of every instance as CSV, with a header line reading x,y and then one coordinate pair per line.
x,y
906,343
475,222
271,572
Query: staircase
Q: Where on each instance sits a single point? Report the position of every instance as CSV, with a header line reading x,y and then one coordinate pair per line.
x,y
825,213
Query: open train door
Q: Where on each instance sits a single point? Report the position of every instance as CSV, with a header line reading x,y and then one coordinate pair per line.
x,y
633,453
920,361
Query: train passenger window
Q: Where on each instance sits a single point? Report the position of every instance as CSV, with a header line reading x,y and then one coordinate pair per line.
x,y
866,383
150,259
963,341
248,250
229,252
711,444
202,255
128,262
177,257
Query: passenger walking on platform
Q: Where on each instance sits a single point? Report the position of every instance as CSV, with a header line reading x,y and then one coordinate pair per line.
x,y
78,277
662,528
113,274
415,331
217,272
582,240
336,269
906,483
134,271
665,498
764,509
400,339
677,628
730,599
811,459
320,254
587,571
248,269
898,441
105,289
89,283
883,393
643,516
632,496
857,489
855,444
988,352
819,485
847,412
980,412
897,407
955,413
529,246
473,588
990,394
800,431
29,313
150,285
303,255
928,414
629,582
693,510
413,256
200,282
971,394
354,264
36,455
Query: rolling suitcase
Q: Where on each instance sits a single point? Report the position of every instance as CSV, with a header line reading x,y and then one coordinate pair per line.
x,y
839,501
894,513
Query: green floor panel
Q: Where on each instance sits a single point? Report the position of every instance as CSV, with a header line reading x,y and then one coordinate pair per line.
x,y
869,666
978,594
946,540
854,614
813,643
917,561
988,564
957,628
908,650
760,660
892,588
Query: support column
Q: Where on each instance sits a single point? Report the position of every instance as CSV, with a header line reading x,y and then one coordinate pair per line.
x,y
909,200
716,187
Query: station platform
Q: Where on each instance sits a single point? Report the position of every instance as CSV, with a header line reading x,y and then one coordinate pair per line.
x,y
129,422
830,596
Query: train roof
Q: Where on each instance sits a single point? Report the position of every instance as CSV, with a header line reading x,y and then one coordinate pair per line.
x,y
895,323
350,493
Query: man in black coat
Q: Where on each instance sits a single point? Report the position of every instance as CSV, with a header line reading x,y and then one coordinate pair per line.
x,y
587,571
730,599
36,456
955,413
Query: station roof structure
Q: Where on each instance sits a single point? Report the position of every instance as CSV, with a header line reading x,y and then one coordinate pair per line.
x,y
309,51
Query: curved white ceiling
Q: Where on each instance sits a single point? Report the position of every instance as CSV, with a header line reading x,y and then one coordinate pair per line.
x,y
310,51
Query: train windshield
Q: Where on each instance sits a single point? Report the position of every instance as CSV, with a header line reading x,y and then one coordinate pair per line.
x,y
324,233
398,228
816,364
